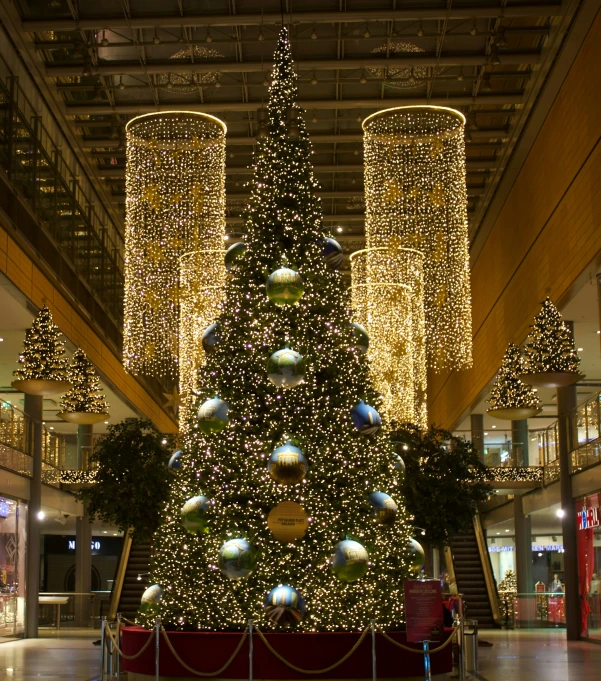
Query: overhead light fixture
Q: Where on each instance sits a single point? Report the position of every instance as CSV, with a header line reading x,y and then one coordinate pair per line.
x,y
339,229
41,515
121,83
486,84
485,433
106,423
209,38
156,40
507,530
420,30
494,55
460,74
473,29
560,513
501,39
261,37
580,349
104,42
363,79
314,80
314,34
367,33
1,340
494,426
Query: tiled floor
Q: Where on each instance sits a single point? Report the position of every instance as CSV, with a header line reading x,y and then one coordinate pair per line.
x,y
514,656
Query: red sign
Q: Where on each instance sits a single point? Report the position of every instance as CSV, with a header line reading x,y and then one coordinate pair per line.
x,y
588,517
423,609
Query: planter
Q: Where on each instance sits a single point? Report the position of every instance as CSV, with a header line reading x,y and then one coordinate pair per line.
x,y
41,386
82,418
514,413
552,379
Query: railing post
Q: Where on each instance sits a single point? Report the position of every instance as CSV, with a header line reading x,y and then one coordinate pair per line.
x,y
118,637
102,646
427,669
373,650
250,650
157,646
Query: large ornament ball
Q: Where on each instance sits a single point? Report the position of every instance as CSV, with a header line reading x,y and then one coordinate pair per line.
x,y
286,368
213,416
175,462
237,558
234,255
399,464
366,419
285,287
360,337
211,338
416,554
287,465
384,507
350,561
194,514
331,251
284,605
151,599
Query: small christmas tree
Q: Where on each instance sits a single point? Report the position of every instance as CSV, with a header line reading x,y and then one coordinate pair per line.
x,y
550,346
508,391
507,588
84,396
43,352
509,583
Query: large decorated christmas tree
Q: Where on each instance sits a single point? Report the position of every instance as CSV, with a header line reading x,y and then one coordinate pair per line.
x,y
286,506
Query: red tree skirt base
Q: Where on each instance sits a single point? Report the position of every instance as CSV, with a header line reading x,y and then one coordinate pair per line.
x,y
208,651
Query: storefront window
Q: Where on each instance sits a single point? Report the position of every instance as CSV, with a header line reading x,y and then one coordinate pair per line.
x,y
588,517
13,541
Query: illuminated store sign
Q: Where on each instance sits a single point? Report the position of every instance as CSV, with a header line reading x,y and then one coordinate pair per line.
x,y
535,547
588,518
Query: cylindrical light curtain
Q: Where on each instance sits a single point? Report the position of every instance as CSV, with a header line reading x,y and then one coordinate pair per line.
x,y
202,290
416,197
387,299
175,203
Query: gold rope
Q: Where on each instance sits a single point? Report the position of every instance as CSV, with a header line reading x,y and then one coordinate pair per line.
x,y
193,671
311,671
417,650
123,655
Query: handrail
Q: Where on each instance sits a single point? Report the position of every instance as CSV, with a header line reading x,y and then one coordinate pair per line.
x,y
120,576
489,580
448,556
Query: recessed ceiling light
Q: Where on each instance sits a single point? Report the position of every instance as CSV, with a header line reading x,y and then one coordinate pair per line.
x,y
41,515
51,427
485,433
580,349
494,426
339,229
104,531
106,423
598,331
1,339
498,533
507,530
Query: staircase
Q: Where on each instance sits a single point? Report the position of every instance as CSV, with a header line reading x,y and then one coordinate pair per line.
x,y
138,563
469,575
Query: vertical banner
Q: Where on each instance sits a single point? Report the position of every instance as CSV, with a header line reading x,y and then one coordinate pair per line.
x,y
423,609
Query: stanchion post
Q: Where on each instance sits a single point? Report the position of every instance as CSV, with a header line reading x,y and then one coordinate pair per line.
x,y
462,647
250,650
102,644
157,645
427,669
111,653
373,650
118,637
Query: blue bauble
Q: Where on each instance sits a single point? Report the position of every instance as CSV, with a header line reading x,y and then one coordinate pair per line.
x,y
331,251
194,514
286,368
416,554
285,287
385,508
234,255
287,464
175,461
399,464
211,337
366,419
350,560
360,337
150,601
284,605
213,415
237,558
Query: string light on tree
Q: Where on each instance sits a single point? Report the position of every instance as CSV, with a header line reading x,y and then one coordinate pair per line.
x,y
83,403
415,190
285,447
511,398
175,189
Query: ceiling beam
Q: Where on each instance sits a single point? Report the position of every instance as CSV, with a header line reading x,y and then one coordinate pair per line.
x,y
134,68
313,104
472,11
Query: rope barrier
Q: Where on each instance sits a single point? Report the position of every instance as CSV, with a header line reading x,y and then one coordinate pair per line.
x,y
123,655
194,671
417,650
310,671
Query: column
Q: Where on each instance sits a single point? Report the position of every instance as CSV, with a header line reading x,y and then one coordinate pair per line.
x,y
566,404
34,405
83,537
523,548
599,302
477,428
519,442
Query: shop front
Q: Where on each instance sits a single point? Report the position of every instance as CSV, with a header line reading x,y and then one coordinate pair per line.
x,y
13,555
588,518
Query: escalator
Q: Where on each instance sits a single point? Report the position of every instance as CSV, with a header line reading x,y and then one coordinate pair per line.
x,y
474,578
127,588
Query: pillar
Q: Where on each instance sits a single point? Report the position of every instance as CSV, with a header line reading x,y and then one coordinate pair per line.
x,y
519,442
83,538
477,428
523,547
34,405
599,302
566,404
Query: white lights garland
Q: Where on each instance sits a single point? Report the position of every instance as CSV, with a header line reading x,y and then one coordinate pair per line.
x,y
175,203
415,189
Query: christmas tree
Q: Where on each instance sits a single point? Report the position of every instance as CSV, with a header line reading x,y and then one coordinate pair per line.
x,y
284,421
508,391
550,345
84,396
42,357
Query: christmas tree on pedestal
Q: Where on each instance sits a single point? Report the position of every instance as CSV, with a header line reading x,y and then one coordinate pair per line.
x,y
43,368
286,508
83,404
510,398
550,358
